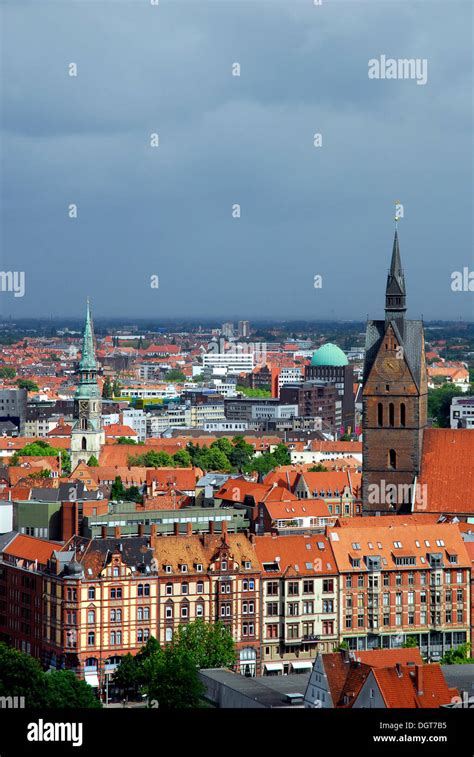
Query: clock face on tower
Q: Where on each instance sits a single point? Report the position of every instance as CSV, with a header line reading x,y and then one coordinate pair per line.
x,y
83,407
391,368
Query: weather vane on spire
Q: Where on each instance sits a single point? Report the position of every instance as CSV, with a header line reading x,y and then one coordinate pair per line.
x,y
398,212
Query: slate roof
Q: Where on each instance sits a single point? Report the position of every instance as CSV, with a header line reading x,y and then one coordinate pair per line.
x,y
411,341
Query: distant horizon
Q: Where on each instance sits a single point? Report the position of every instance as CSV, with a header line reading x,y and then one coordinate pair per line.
x,y
220,320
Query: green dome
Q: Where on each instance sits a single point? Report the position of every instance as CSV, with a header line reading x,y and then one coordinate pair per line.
x,y
329,354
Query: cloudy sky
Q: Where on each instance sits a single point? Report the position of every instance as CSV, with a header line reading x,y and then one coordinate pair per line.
x,y
226,140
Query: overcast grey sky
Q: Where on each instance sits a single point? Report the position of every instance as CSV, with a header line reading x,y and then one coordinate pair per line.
x,y
305,210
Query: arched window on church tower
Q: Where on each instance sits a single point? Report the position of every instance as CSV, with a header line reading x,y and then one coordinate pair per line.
x,y
392,459
84,443
402,414
391,414
380,414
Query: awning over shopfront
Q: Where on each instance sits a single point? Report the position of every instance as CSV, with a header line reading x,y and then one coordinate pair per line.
x,y
92,679
272,666
302,665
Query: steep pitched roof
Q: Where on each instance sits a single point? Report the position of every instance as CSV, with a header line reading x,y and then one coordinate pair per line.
x,y
411,341
447,470
399,688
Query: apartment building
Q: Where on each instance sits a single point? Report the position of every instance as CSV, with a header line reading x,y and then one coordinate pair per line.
x,y
84,605
299,601
400,581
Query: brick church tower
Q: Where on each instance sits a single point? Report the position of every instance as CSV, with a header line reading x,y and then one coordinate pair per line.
x,y
395,394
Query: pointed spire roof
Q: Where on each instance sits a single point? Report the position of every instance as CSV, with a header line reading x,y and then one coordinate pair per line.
x,y
396,270
395,293
88,362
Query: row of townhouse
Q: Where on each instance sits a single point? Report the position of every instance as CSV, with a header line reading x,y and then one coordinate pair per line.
x,y
85,604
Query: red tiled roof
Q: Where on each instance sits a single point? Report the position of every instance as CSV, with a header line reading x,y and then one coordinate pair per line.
x,y
447,470
298,508
406,534
164,479
399,689
30,548
301,554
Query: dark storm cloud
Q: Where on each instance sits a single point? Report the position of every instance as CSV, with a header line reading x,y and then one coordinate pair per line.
x,y
226,140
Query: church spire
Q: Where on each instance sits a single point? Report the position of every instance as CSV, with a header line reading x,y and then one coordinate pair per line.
x,y
395,293
88,362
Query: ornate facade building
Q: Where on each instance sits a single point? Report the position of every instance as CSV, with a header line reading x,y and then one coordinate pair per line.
x,y
395,392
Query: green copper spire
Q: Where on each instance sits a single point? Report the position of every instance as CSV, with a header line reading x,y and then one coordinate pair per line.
x,y
88,362
87,387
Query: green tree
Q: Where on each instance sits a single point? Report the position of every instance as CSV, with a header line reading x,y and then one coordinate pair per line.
x,y
281,455
152,460
41,448
133,494
410,642
318,468
7,372
209,645
21,675
173,681
64,690
342,647
216,460
117,490
116,388
459,656
262,464
93,462
174,375
241,454
439,403
125,440
30,386
107,389
225,446
128,675
182,459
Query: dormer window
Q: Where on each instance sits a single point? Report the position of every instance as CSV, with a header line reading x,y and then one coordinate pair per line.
x,y
184,568
247,564
168,568
224,565
199,567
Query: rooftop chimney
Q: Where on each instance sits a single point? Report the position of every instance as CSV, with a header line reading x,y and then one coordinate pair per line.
x,y
224,527
419,679
117,532
153,531
253,539
211,526
103,532
141,529
189,529
176,529
399,669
